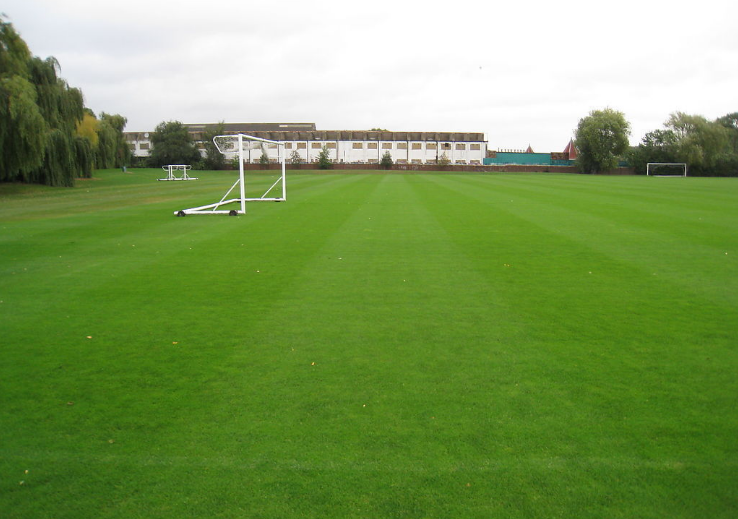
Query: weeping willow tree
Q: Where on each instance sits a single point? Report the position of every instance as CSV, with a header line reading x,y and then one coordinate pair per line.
x,y
44,135
62,108
112,150
86,143
23,130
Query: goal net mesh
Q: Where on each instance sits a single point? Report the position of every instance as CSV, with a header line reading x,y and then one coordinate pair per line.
x,y
666,169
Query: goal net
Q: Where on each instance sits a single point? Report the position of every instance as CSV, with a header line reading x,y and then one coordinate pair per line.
x,y
666,169
248,149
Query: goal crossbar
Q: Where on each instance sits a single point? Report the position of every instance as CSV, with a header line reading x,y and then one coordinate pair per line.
x,y
653,165
225,144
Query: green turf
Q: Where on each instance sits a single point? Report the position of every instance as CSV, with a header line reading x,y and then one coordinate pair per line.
x,y
379,346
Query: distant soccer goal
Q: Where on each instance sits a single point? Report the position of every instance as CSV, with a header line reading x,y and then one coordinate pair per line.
x,y
666,169
173,169
245,148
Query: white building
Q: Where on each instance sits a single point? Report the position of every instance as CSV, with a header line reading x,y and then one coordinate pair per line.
x,y
351,147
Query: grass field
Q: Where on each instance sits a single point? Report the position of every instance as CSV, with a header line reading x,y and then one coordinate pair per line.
x,y
379,346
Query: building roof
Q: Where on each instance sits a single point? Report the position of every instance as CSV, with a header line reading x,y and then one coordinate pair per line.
x,y
571,150
348,135
307,132
254,127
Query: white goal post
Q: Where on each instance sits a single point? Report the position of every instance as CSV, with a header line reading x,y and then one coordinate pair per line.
x,y
241,145
666,169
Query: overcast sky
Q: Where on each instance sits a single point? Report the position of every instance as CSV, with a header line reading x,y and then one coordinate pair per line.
x,y
523,72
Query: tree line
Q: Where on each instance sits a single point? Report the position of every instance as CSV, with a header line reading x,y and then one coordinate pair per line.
x,y
709,148
47,135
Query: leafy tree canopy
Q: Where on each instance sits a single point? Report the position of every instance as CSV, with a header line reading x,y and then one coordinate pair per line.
x,y
295,158
214,159
44,133
601,138
386,161
707,147
324,160
172,144
699,142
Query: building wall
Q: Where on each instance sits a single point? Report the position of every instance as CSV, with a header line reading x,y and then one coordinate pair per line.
x,y
351,147
139,143
522,158
371,152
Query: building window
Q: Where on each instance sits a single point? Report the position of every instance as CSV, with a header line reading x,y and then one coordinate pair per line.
x,y
416,161
431,146
315,145
288,145
446,145
372,161
475,147
143,146
331,145
358,146
371,145
475,162
302,145
401,145
417,146
386,145
460,146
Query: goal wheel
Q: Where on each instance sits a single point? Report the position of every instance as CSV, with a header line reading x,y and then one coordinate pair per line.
x,y
232,212
181,213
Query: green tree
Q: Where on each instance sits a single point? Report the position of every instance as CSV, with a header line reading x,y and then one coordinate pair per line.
x,y
443,161
601,138
40,119
23,131
214,159
386,162
656,146
264,158
104,155
727,163
295,158
112,150
730,123
699,142
62,108
324,160
122,152
172,144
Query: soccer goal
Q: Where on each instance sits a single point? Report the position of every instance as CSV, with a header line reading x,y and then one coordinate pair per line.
x,y
174,169
246,148
666,169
